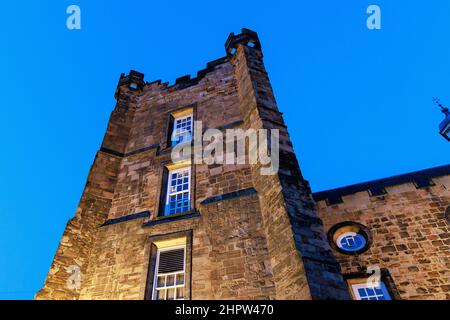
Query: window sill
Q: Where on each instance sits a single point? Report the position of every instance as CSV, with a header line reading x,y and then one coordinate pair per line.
x,y
168,149
171,218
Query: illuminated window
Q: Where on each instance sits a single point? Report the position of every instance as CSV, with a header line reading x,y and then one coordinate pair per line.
x,y
367,291
351,241
182,130
170,274
178,191
349,238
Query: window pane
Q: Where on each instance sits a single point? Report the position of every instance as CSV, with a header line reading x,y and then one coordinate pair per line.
x,y
182,131
171,294
351,241
170,276
180,293
161,281
362,292
160,294
180,279
366,291
170,280
178,192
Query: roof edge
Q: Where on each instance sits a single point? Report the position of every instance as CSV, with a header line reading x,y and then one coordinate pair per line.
x,y
421,179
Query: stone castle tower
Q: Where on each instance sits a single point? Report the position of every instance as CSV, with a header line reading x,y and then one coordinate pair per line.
x,y
147,228
151,228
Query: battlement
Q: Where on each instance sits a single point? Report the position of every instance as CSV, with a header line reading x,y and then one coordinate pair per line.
x,y
134,81
186,80
362,192
247,38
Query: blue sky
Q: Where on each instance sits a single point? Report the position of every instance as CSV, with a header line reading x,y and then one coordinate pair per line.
x,y
357,102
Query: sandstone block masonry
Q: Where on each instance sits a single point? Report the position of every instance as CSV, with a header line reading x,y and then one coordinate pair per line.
x,y
248,236
408,229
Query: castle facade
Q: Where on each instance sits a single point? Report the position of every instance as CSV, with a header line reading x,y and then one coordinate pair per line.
x,y
148,227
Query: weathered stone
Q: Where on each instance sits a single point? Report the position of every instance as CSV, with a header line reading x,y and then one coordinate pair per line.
x,y
407,235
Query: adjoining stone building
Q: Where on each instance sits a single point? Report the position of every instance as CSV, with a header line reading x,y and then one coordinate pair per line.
x,y
405,222
148,228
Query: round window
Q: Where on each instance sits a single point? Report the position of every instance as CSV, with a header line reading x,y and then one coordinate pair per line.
x,y
351,241
349,238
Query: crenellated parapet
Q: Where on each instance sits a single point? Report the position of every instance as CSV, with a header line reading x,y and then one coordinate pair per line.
x,y
362,194
134,81
186,80
247,38
130,83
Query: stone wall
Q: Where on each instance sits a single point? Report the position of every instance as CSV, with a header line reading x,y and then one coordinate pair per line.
x,y
411,237
215,102
229,254
303,265
81,231
253,236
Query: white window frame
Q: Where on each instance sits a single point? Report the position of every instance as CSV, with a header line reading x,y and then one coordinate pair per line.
x,y
175,286
366,285
177,133
348,234
169,193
